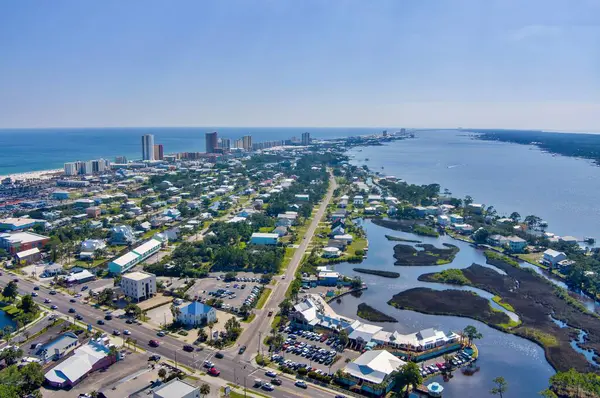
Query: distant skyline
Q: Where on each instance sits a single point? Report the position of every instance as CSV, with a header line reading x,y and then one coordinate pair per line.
x,y
314,63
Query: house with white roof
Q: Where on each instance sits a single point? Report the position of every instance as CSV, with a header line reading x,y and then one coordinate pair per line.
x,y
176,388
373,371
552,257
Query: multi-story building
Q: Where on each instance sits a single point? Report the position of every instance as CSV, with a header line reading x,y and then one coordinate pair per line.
x,y
121,159
20,241
197,313
147,147
247,142
158,152
212,142
100,165
71,168
306,139
238,144
225,144
139,285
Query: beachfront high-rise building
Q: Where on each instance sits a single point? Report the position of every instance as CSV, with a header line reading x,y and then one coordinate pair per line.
x,y
100,165
225,144
147,147
212,142
121,159
71,168
247,142
158,152
306,139
239,143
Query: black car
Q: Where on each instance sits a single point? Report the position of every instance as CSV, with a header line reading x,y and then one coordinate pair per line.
x,y
100,322
242,349
79,317
71,310
188,348
108,317
16,280
219,355
36,288
129,321
73,300
154,357
276,382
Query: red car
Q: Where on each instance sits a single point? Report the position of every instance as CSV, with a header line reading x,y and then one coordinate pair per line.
x,y
214,371
153,343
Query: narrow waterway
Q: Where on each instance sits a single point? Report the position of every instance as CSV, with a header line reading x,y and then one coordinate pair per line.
x,y
502,354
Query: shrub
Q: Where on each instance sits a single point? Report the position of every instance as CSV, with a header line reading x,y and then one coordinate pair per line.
x,y
182,333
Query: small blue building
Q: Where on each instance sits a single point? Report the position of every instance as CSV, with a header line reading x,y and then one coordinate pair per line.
x,y
259,238
60,195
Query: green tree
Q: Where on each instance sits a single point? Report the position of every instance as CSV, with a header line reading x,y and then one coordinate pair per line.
x,y
472,333
501,386
547,393
233,328
468,200
28,305
11,355
409,375
32,377
7,391
481,235
204,389
211,325
162,373
515,216
286,306
202,336
10,291
133,310
343,336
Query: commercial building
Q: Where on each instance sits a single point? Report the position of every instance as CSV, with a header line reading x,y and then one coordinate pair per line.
x,y
71,169
60,195
306,139
159,152
212,142
238,144
372,372
15,224
57,348
121,159
176,389
138,285
247,142
80,276
85,360
134,257
197,313
28,256
225,144
259,238
93,212
20,241
72,183
148,147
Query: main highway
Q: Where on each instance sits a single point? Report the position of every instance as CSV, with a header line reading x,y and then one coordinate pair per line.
x,y
234,368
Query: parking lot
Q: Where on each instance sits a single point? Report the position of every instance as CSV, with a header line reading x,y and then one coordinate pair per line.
x,y
233,293
317,351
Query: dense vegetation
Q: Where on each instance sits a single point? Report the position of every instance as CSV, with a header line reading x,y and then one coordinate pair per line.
x,y
415,194
492,255
425,231
430,255
579,145
451,276
574,384
369,313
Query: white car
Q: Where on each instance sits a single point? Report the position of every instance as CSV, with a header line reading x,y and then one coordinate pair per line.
x,y
268,387
270,373
126,332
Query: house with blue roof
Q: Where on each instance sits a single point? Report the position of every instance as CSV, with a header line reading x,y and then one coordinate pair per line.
x,y
197,313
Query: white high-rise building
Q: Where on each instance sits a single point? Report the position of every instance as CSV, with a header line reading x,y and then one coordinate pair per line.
x,y
147,147
71,168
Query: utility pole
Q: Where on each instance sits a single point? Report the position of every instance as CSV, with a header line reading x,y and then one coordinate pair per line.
x,y
259,341
177,366
244,386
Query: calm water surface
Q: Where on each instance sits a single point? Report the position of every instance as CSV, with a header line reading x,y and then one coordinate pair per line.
x,y
511,177
519,361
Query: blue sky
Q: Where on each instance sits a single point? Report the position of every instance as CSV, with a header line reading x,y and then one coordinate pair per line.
x,y
414,63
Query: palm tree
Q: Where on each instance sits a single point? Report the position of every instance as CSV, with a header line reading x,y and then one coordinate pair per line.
x,y
501,386
204,389
211,325
409,375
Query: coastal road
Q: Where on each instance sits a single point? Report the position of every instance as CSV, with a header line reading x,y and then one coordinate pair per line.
x,y
233,368
261,326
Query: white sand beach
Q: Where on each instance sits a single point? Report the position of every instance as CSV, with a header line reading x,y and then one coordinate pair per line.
x,y
34,175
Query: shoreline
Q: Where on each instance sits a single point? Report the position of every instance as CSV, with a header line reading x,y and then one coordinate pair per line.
x,y
33,175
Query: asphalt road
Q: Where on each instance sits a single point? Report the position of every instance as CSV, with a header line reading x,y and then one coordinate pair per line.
x,y
233,368
261,326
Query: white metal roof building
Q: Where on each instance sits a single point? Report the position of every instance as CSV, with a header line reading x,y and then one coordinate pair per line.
x,y
176,389
374,366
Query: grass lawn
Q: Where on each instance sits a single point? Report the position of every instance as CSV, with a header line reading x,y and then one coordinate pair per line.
x,y
250,318
506,306
264,296
533,258
87,264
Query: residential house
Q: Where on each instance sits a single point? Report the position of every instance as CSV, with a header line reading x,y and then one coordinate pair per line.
x,y
476,208
281,231
497,240
516,244
29,256
57,348
122,235
331,252
259,238
339,230
463,228
345,238
358,200
443,220
456,219
328,278
302,198
551,258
